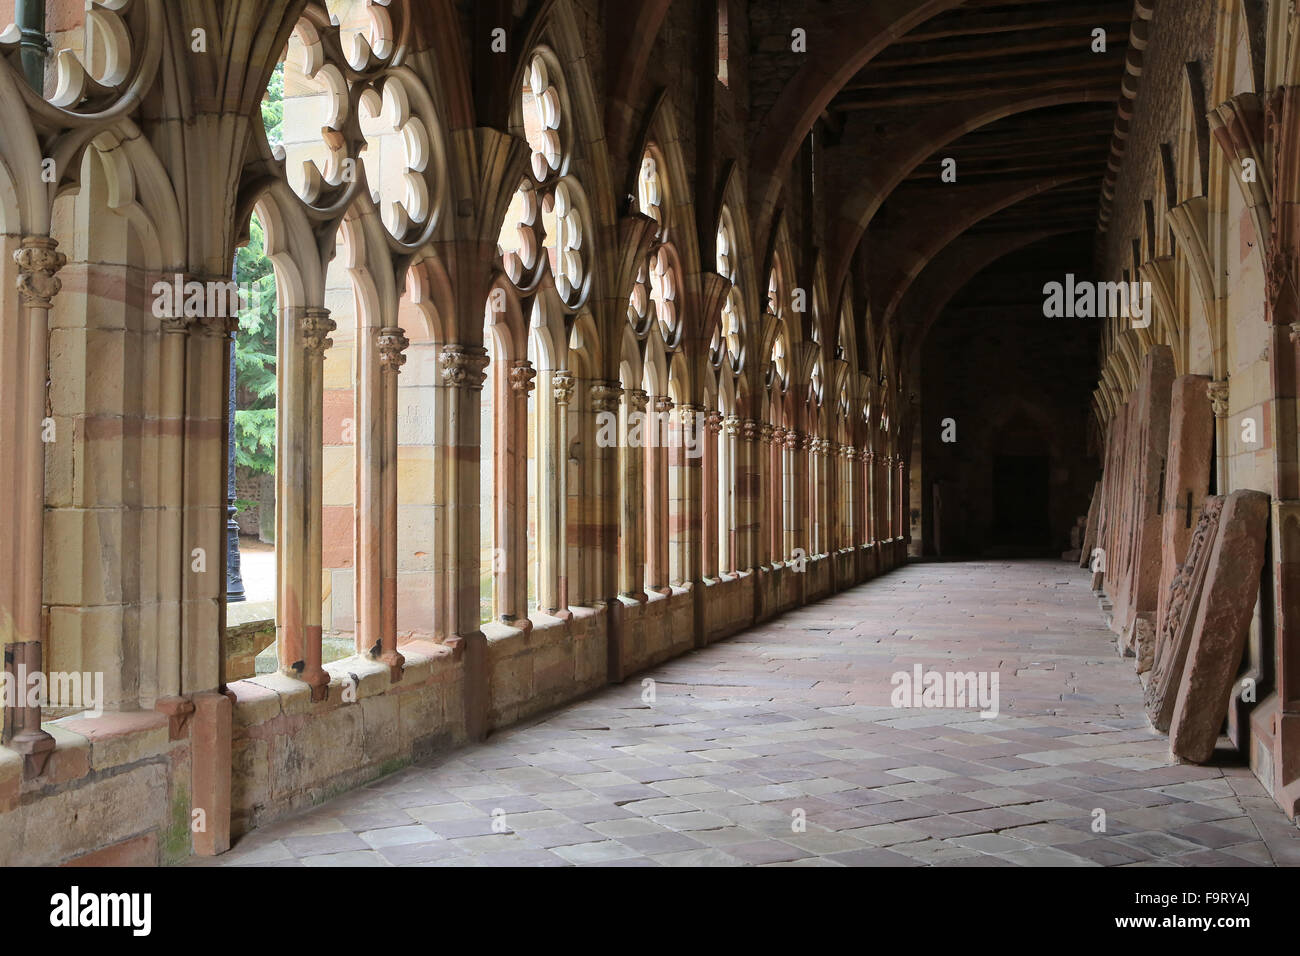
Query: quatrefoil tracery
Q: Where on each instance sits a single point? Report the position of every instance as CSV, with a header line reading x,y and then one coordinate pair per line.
x,y
355,116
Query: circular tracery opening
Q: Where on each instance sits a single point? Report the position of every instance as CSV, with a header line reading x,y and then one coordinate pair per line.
x,y
542,118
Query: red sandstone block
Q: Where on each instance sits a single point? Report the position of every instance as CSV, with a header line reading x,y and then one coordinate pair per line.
x,y
211,772
137,851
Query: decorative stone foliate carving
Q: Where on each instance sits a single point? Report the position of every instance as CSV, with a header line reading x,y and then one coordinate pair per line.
x,y
562,385
765,433
1295,332
713,422
663,404
732,424
637,400
748,430
37,264
687,413
392,344
1175,632
868,456
463,365
316,327
1219,398
605,396
522,374
791,438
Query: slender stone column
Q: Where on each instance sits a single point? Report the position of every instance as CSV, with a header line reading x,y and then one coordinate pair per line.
x,y
562,385
869,481
789,515
632,492
1218,391
24,395
775,532
900,508
750,492
160,656
683,512
656,496
709,495
512,507
731,481
462,373
299,496
763,495
392,343
605,512
203,608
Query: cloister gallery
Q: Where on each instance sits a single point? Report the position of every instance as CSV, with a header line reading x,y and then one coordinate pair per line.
x,y
619,417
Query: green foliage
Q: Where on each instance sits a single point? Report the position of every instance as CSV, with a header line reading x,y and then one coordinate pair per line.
x,y
255,342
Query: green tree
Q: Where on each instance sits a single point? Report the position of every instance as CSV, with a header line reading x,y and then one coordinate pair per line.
x,y
255,341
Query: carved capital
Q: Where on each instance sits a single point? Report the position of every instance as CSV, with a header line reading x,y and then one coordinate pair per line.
x,y
686,412
778,434
637,400
732,424
463,365
37,262
792,438
713,422
663,404
1219,398
765,433
605,396
392,343
316,327
522,374
748,430
562,386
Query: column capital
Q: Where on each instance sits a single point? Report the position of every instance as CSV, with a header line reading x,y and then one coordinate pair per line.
x,y
792,438
463,365
687,411
38,261
868,456
392,346
732,424
605,396
749,429
637,399
713,422
766,433
1218,391
663,404
316,327
522,374
778,434
562,385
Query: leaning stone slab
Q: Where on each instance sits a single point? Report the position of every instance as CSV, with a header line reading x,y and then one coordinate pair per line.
x,y
1174,629
1187,475
1090,528
1222,626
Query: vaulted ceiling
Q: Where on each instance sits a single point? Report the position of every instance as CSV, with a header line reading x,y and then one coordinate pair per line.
x,y
1013,91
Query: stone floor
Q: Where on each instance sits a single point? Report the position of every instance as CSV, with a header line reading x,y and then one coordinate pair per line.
x,y
791,722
